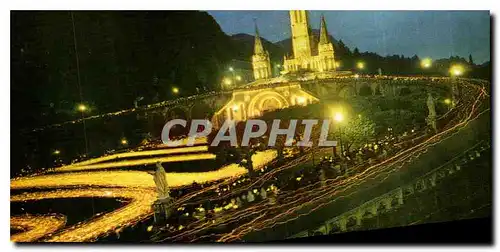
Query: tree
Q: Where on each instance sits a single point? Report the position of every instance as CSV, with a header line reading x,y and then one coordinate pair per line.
x,y
471,62
356,52
356,131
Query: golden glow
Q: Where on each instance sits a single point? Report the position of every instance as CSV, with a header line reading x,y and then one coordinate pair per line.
x,y
35,226
124,141
238,78
57,152
138,208
447,101
139,179
301,100
227,81
356,76
339,117
360,65
175,90
337,64
82,107
456,70
426,63
156,152
235,108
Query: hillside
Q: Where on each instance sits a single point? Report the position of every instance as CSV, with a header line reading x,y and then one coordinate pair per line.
x,y
245,44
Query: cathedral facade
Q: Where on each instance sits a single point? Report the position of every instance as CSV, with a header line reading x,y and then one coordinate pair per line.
x,y
307,55
303,58
260,60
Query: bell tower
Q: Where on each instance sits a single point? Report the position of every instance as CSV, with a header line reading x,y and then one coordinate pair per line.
x,y
300,34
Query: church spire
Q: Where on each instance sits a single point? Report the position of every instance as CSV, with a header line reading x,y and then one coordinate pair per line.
x,y
323,35
258,49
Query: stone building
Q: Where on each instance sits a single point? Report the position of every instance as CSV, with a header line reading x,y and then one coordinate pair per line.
x,y
260,59
303,58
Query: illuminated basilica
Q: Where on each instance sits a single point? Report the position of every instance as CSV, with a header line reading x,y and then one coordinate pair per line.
x,y
303,48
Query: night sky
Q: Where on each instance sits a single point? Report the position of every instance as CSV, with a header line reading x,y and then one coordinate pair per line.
x,y
436,34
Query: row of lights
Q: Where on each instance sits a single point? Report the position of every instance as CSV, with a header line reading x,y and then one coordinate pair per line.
x,y
455,70
83,108
123,141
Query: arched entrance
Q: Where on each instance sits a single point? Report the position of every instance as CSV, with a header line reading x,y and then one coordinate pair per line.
x,y
266,101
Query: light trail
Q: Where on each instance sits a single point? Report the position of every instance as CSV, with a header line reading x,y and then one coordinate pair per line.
x,y
261,215
35,226
136,178
137,209
137,154
137,186
147,161
305,197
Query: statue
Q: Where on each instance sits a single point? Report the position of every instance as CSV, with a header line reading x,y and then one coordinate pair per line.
x,y
161,182
431,118
162,206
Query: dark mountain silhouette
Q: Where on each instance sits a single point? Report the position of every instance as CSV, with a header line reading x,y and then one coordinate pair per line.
x,y
245,44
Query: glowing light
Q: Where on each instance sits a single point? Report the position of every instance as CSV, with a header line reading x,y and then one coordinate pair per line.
x,y
456,70
356,76
339,117
227,81
301,100
426,63
235,108
238,78
175,90
278,65
360,65
231,69
82,107
447,101
337,64
124,141
57,152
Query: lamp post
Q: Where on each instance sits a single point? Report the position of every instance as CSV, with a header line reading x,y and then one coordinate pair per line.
x,y
175,90
338,117
426,63
231,69
448,103
455,72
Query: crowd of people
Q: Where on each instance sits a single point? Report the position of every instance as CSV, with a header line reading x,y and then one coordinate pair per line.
x,y
240,193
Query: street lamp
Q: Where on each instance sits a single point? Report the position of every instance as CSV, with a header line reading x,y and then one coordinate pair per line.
x,y
227,81
175,90
124,141
448,102
456,70
82,108
338,117
360,65
426,63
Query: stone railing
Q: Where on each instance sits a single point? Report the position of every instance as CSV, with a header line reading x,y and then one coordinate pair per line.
x,y
392,200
